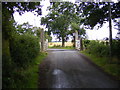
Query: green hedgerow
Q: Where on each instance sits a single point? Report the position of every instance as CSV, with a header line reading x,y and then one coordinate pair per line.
x,y
97,48
23,49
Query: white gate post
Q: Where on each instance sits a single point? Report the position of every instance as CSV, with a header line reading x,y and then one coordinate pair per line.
x,y
42,41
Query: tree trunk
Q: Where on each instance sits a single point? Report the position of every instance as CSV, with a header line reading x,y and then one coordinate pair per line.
x,y
6,63
6,48
81,44
63,42
74,41
110,32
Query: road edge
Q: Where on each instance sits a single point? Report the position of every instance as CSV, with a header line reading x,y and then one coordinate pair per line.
x,y
98,67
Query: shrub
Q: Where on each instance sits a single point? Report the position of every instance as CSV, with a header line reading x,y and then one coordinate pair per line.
x,y
97,48
102,49
86,43
23,49
116,48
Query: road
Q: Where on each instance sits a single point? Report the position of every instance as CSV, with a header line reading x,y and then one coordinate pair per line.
x,y
68,69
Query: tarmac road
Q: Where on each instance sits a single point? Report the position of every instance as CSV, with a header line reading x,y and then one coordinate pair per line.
x,y
68,69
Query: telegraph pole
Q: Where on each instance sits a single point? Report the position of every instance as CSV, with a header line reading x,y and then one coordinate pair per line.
x,y
110,32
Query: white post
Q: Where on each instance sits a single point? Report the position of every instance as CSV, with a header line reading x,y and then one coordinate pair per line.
x,y
76,38
46,44
42,40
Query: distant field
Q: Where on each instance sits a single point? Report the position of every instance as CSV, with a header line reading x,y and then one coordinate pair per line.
x,y
51,44
67,47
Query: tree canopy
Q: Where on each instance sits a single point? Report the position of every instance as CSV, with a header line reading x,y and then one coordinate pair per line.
x,y
11,42
58,21
98,13
8,8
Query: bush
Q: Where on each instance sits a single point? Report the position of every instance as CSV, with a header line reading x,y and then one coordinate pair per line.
x,y
23,49
97,48
86,43
102,49
116,48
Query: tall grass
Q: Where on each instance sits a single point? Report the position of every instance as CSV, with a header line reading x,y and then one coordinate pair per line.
x,y
111,68
98,52
28,78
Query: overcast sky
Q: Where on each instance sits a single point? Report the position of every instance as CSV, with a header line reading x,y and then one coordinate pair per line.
x,y
35,21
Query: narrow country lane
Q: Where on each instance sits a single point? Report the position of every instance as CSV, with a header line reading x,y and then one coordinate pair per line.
x,y
68,69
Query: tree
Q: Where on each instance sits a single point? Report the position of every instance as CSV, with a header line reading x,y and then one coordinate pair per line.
x,y
81,31
8,8
47,36
99,13
25,28
59,19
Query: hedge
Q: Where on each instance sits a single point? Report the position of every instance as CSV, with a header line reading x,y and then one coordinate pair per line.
x,y
102,49
97,48
23,49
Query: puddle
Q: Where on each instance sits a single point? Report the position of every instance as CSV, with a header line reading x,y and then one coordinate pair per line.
x,y
57,71
60,79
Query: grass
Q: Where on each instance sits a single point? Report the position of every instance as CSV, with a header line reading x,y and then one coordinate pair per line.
x,y
33,71
111,68
30,75
59,47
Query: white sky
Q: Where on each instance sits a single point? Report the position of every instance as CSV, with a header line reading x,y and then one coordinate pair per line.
x,y
102,32
35,21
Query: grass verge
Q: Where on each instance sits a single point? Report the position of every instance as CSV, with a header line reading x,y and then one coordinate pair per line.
x,y
33,71
111,68
29,76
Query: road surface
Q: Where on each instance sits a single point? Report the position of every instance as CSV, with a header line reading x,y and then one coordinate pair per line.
x,y
68,69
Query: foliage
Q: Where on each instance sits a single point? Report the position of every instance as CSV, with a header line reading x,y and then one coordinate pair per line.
x,y
116,48
23,49
86,43
38,31
22,7
102,62
7,25
47,36
24,28
7,72
97,13
101,48
27,78
97,48
8,8
76,27
59,19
